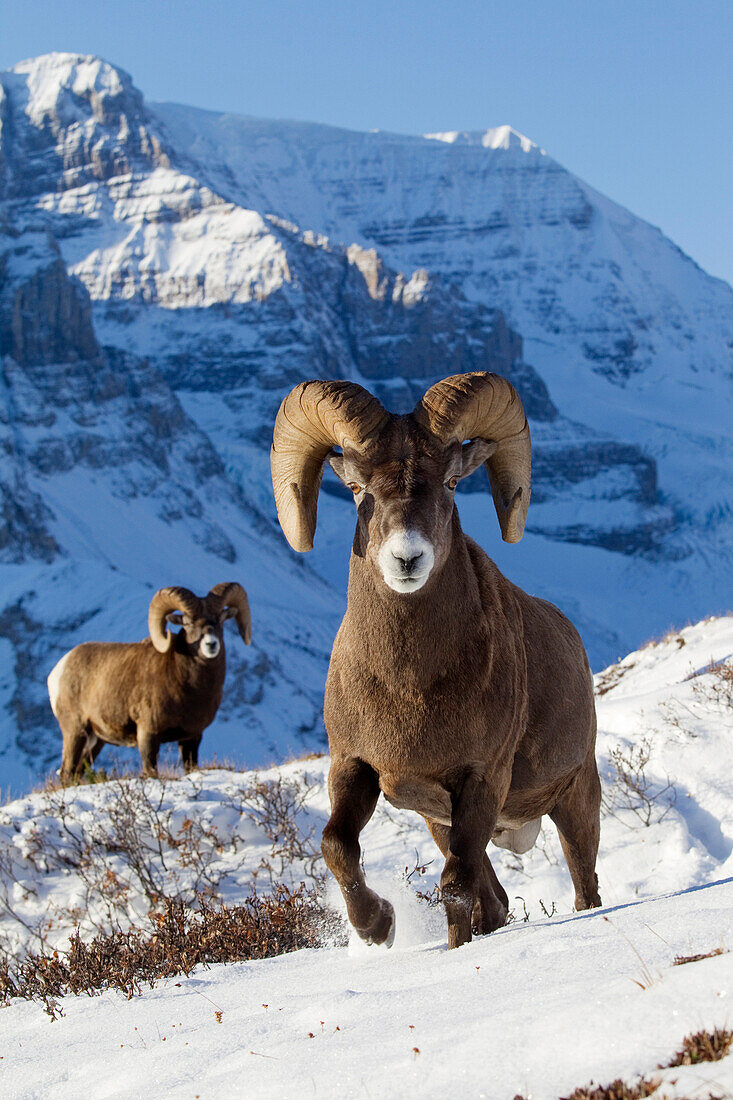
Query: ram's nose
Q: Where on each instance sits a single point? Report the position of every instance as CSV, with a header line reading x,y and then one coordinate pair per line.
x,y
210,645
408,564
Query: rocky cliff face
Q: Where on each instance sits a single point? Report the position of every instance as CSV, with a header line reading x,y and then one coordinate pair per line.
x,y
167,274
109,490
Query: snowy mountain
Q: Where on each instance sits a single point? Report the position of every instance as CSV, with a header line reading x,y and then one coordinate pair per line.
x,y
167,274
598,992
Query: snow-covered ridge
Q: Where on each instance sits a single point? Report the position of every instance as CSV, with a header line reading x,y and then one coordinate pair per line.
x,y
497,137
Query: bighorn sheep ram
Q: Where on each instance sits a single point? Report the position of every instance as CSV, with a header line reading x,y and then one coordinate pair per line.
x,y
450,689
166,688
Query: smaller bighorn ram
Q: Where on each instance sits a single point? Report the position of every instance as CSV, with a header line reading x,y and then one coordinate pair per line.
x,y
450,690
167,687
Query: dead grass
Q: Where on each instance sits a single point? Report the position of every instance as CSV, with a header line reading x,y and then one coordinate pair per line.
x,y
611,676
617,1090
703,1046
115,773
671,635
717,690
175,939
680,960
711,695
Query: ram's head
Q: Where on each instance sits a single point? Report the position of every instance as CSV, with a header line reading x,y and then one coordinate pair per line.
x,y
402,470
201,617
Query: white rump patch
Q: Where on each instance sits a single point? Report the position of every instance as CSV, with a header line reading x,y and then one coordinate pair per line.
x,y
404,546
519,840
54,681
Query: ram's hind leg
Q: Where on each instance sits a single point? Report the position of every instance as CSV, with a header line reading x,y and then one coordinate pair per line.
x,y
189,749
93,748
354,790
491,906
578,819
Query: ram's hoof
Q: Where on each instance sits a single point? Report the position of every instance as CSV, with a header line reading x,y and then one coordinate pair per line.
x,y
384,927
392,929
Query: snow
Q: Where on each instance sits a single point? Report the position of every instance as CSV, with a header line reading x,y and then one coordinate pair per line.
x,y
496,137
537,1009
51,74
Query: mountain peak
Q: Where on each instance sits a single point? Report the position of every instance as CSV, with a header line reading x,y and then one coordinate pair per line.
x,y
497,137
86,70
56,80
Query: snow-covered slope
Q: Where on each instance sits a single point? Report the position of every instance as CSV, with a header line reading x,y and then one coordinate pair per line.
x,y
201,264
535,1010
665,718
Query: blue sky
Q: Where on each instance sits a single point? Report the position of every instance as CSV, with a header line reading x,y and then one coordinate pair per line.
x,y
635,97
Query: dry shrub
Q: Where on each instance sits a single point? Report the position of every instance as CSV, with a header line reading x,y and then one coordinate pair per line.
x,y
631,788
712,695
176,939
703,1046
137,852
273,805
713,686
617,1090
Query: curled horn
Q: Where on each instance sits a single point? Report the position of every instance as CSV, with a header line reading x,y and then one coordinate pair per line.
x,y
164,601
314,418
485,406
230,594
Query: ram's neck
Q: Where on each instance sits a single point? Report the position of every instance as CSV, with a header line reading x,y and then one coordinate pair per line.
x,y
198,672
414,639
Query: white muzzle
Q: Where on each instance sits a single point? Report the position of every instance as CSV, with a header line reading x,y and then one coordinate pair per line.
x,y
406,559
210,646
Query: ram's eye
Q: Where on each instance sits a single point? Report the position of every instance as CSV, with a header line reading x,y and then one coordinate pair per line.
x,y
354,487
452,482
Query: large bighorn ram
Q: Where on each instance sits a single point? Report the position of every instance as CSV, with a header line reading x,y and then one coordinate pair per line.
x,y
449,688
166,688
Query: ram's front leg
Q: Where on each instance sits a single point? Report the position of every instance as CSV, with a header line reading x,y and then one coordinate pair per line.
x,y
463,882
148,745
354,789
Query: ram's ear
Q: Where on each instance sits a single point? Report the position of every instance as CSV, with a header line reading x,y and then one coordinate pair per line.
x,y
337,464
474,453
175,618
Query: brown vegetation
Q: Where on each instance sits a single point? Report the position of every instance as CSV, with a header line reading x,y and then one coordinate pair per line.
x,y
176,939
680,960
703,1046
617,1090
139,849
631,788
